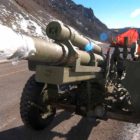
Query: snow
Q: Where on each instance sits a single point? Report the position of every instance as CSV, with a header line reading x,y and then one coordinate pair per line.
x,y
27,25
21,22
78,22
14,45
3,12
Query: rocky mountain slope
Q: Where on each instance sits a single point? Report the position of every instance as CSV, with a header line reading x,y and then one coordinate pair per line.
x,y
78,16
32,16
28,19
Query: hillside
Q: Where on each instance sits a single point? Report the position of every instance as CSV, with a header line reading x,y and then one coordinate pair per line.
x,y
78,16
31,17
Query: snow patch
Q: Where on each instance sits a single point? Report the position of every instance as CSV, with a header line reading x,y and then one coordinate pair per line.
x,y
78,22
20,22
27,25
4,12
14,45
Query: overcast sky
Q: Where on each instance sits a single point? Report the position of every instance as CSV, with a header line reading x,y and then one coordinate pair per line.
x,y
115,13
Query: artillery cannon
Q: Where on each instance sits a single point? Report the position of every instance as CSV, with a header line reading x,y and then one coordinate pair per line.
x,y
73,73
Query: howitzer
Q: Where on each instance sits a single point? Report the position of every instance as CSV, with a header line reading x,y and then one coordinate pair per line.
x,y
71,77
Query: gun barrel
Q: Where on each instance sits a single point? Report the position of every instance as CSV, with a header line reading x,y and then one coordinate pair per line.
x,y
25,47
58,31
56,53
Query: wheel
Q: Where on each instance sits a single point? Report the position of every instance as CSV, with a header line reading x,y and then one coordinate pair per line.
x,y
35,111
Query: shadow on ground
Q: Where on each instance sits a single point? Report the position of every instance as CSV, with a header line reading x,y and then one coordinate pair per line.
x,y
80,131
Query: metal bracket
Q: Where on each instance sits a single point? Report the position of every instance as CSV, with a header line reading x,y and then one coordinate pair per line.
x,y
80,68
74,57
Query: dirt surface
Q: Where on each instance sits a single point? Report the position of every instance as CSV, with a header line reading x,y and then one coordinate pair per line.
x,y
66,126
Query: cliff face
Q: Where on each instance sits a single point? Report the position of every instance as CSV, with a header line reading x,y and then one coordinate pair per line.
x,y
78,16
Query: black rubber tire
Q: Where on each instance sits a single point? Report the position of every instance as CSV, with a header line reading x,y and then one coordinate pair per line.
x,y
31,115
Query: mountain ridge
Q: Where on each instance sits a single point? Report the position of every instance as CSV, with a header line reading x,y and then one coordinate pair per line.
x,y
77,16
31,17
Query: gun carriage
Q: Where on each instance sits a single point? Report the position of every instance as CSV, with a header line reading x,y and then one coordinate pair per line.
x,y
73,73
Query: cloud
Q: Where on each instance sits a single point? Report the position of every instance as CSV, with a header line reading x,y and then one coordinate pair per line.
x,y
135,13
